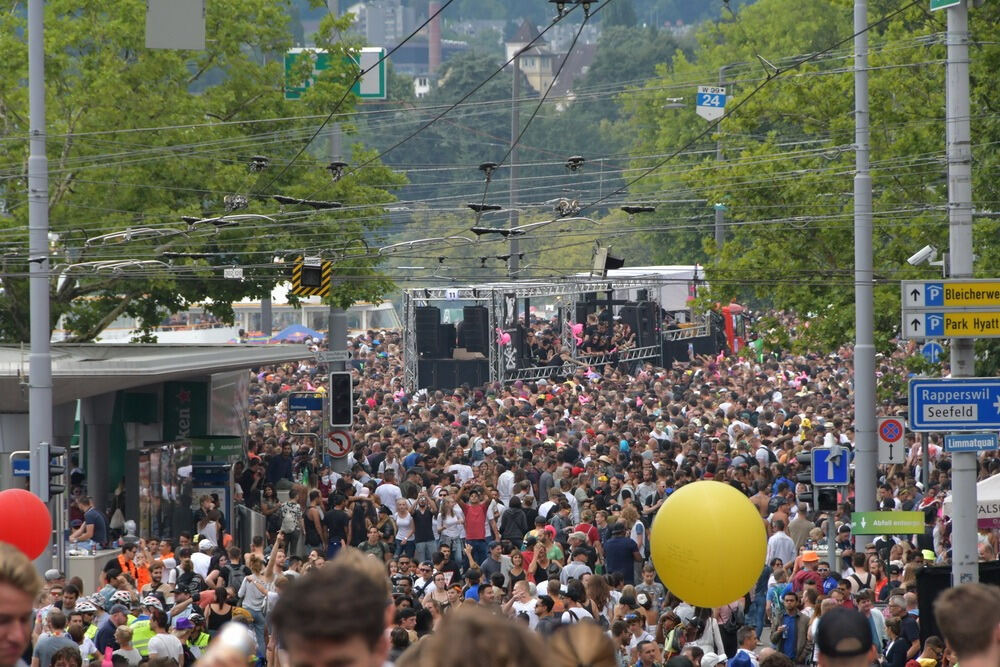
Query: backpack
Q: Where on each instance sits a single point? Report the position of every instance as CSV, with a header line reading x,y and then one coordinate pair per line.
x,y
736,620
862,585
236,575
289,520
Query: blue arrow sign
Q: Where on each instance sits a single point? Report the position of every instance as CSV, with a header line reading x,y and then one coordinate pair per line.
x,y
932,352
967,404
831,466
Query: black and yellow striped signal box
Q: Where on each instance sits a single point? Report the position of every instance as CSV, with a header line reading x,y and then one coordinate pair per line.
x,y
311,276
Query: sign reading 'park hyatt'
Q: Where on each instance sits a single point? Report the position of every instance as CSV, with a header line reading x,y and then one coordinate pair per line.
x,y
951,308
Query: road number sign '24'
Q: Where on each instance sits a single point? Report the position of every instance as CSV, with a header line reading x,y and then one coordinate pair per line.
x,y
711,102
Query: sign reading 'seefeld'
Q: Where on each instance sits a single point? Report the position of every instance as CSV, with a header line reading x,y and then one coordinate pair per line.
x,y
967,404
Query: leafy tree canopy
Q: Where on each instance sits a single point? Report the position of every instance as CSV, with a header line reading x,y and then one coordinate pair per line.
x,y
786,180
139,138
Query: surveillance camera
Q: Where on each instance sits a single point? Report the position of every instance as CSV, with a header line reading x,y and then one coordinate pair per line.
x,y
925,254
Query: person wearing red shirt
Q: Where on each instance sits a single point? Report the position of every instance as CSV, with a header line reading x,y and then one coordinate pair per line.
x,y
471,500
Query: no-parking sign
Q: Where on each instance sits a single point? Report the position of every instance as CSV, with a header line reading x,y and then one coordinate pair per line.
x,y
340,443
891,443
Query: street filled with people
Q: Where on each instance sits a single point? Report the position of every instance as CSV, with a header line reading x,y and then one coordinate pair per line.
x,y
514,525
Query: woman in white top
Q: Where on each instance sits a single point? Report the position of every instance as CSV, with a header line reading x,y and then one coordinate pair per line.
x,y
710,639
451,525
404,529
210,528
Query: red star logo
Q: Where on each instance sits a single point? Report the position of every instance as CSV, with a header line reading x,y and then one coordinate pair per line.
x,y
184,396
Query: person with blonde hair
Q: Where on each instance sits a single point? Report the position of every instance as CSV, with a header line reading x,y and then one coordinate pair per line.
x,y
581,644
20,584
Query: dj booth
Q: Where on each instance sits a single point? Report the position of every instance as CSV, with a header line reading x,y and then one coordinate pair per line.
x,y
486,346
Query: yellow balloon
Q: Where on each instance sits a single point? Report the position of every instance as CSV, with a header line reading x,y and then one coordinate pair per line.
x,y
708,544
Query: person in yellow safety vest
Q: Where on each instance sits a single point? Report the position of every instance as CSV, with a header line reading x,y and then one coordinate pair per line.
x,y
141,632
198,639
87,611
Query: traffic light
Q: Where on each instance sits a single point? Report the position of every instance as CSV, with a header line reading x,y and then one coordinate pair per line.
x,y
804,476
826,500
53,460
341,399
311,276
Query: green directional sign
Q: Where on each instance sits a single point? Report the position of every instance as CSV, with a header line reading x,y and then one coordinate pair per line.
x,y
944,4
217,446
887,523
370,87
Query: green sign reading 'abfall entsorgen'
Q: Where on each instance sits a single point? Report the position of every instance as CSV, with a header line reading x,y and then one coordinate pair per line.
x,y
887,523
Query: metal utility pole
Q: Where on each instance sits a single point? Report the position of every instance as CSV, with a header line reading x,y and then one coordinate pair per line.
x,y
720,211
965,555
515,125
866,446
337,333
40,359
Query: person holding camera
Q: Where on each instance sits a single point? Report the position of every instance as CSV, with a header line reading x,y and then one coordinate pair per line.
x,y
425,542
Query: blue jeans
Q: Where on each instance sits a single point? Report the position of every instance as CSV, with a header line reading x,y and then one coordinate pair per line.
x,y
755,614
259,625
479,551
407,548
333,548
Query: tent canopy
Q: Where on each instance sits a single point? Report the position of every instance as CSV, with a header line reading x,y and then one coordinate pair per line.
x,y
296,333
987,500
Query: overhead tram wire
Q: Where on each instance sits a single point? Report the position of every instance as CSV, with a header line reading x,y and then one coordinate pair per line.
x,y
347,93
469,94
749,96
583,24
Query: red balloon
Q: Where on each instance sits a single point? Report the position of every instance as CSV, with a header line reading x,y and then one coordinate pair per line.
x,y
28,524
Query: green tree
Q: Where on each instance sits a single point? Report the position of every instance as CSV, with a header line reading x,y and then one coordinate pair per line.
x,y
619,13
786,180
109,172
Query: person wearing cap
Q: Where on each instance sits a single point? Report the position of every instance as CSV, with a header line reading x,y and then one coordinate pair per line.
x,y
577,567
844,639
810,565
117,615
573,596
621,553
974,636
202,559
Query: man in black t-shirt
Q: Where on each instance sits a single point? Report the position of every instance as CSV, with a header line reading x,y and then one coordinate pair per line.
x,y
336,521
93,530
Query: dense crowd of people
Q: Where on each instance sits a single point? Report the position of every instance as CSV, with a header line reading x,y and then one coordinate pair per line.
x,y
534,503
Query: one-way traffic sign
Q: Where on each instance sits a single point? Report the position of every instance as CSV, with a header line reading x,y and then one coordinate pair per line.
x,y
831,466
